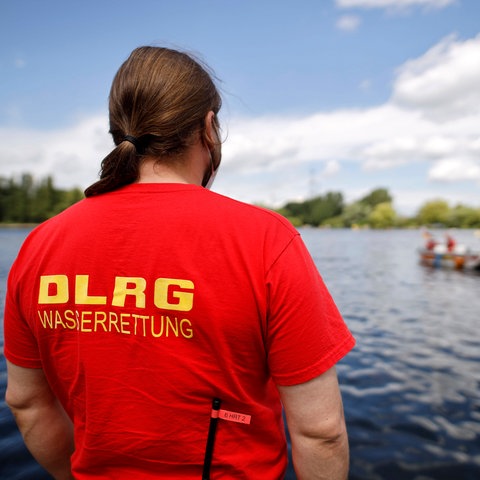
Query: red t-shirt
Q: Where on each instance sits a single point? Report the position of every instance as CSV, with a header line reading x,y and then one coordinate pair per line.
x,y
143,304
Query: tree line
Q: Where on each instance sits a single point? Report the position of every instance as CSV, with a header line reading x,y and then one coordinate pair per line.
x,y
26,200
376,210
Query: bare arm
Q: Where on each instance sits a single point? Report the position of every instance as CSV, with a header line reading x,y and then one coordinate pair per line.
x,y
43,423
316,423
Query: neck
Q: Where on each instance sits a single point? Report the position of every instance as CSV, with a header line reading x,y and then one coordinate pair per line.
x,y
153,171
189,168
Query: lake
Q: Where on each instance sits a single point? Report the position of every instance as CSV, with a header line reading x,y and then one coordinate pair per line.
x,y
411,387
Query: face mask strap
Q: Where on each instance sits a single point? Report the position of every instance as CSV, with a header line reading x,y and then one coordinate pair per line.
x,y
209,176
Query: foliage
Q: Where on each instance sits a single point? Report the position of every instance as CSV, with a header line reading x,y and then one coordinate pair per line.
x,y
434,212
354,214
376,210
367,212
462,216
25,200
377,196
382,216
315,210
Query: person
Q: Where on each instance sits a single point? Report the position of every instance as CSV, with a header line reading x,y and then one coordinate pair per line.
x,y
450,242
156,328
430,242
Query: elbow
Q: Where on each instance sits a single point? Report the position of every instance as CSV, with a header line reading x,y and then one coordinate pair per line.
x,y
331,432
335,440
11,400
321,452
18,402
16,405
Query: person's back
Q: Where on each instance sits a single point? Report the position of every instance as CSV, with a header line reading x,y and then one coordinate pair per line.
x,y
150,298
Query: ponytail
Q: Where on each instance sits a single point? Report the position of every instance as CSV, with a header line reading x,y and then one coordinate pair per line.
x,y
119,168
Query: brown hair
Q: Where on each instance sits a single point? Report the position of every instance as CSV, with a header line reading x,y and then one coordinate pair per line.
x,y
160,97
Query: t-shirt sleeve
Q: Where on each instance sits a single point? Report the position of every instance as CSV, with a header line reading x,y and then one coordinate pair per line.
x,y
306,334
20,346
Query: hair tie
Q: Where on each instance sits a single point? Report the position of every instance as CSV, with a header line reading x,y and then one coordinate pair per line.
x,y
135,142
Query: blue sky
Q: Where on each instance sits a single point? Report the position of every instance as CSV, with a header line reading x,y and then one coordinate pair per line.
x,y
333,95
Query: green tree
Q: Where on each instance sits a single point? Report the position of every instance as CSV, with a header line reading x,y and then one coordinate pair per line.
x,y
382,216
323,208
66,198
360,213
377,196
19,199
28,201
376,210
462,216
45,199
315,211
356,213
434,212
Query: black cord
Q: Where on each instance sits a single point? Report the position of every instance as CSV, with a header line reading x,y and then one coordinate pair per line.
x,y
207,463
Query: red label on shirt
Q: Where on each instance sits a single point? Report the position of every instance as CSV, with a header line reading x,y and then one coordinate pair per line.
x,y
234,417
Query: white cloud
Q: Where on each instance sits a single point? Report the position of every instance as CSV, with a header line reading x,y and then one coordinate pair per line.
x,y
332,167
444,82
437,150
381,137
348,23
71,155
431,120
455,169
394,4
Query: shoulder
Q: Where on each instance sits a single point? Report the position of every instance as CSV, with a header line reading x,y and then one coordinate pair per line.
x,y
254,214
53,228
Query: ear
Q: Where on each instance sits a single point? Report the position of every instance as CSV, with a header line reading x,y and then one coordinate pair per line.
x,y
212,140
210,134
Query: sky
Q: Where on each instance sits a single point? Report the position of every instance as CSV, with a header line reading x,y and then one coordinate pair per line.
x,y
318,95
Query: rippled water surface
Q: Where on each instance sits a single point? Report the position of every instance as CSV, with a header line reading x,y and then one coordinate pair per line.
x,y
411,387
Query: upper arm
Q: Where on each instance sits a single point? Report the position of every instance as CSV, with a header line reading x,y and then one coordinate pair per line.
x,y
306,334
26,387
314,408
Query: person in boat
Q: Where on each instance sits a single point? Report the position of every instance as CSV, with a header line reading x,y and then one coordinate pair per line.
x,y
450,242
156,328
430,241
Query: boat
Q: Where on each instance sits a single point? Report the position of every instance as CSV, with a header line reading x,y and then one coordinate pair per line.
x,y
459,258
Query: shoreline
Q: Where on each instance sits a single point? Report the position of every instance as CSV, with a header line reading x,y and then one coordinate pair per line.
x,y
18,225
